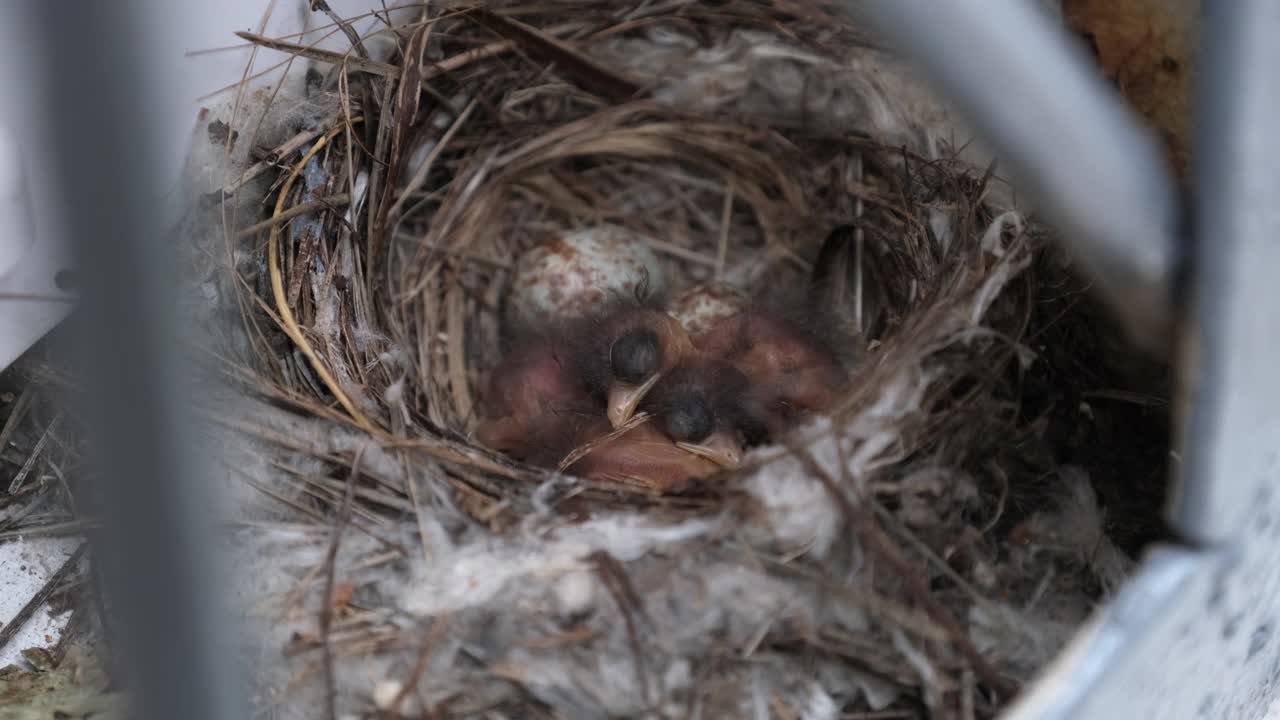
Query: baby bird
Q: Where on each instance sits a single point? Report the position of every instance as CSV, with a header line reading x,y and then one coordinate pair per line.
x,y
699,423
535,403
643,456
794,352
788,369
547,392
623,351
708,408
800,363
744,379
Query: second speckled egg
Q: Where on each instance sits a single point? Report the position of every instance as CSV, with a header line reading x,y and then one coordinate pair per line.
x,y
569,275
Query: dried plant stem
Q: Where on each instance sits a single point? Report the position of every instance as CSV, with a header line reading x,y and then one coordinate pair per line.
x,y
330,571
272,160
287,321
430,641
16,414
324,203
34,457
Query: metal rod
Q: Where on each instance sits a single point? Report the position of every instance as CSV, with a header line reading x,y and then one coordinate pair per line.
x,y
1232,457
1096,175
106,107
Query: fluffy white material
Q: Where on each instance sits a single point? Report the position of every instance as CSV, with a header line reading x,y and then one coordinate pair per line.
x,y
474,574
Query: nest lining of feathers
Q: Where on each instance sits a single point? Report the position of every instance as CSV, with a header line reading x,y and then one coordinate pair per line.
x,y
871,562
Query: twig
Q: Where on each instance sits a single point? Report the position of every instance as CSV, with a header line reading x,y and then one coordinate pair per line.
x,y
615,579
53,583
325,203
326,608
66,488
456,352
33,505
429,643
403,117
873,538
921,547
21,477
57,529
69,631
726,216
287,321
585,72
585,449
273,158
352,35
1127,396
387,70
420,175
911,619
16,414
966,695
680,252
411,485
503,264
370,494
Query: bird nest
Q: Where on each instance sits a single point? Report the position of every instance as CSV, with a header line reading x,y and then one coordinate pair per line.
x,y
919,549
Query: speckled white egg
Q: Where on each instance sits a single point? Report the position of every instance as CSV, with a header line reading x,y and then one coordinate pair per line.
x,y
701,307
571,274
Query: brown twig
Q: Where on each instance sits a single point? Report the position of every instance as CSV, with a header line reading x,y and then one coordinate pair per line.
x,y
430,642
387,70
288,323
615,579
326,609
584,71
36,452
350,32
16,415
331,202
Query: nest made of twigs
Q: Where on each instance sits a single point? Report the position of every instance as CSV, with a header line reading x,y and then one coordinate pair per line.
x,y
365,304
448,192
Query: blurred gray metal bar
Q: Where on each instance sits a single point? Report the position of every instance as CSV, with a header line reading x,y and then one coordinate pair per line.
x,y
1232,456
104,104
1096,175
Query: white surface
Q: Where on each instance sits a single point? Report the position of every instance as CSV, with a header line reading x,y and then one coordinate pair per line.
x,y
25,566
32,246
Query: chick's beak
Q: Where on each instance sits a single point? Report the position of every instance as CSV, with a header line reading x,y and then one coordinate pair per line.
x,y
624,399
721,448
676,347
